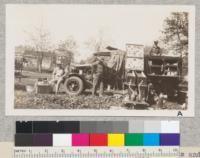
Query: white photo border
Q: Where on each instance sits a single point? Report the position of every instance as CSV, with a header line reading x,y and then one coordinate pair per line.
x,y
190,112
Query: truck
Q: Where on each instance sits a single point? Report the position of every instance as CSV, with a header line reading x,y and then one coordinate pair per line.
x,y
79,78
163,72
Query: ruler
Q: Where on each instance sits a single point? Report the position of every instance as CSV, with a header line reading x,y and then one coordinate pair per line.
x,y
97,152
190,152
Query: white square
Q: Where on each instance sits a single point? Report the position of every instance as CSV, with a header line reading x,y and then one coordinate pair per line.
x,y
62,140
170,127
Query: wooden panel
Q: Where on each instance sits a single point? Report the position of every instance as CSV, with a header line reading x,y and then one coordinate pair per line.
x,y
134,64
134,50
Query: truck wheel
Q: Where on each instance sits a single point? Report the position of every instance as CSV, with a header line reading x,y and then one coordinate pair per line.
x,y
73,85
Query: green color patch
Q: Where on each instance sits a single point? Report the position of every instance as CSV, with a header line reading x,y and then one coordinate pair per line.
x,y
134,139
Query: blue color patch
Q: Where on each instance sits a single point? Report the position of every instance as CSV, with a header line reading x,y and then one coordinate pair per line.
x,y
151,139
170,139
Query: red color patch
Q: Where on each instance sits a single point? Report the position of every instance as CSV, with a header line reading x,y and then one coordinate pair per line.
x,y
98,139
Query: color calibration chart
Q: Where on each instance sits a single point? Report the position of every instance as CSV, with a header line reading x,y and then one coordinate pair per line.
x,y
92,139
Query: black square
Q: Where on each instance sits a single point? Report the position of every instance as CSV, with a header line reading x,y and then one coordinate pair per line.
x,y
23,127
56,127
44,126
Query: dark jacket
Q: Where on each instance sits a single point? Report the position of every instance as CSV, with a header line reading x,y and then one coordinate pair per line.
x,y
155,50
98,66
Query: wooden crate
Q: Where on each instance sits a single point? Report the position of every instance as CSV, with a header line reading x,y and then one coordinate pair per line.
x,y
134,50
134,64
44,88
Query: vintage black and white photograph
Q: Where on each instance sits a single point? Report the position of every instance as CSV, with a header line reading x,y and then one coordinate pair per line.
x,y
106,60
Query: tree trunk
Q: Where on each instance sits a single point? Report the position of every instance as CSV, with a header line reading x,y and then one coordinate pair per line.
x,y
40,67
39,63
53,61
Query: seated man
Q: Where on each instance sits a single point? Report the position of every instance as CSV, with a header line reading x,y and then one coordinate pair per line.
x,y
155,50
57,76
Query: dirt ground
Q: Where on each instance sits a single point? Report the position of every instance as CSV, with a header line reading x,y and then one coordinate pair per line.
x,y
110,100
30,100
63,101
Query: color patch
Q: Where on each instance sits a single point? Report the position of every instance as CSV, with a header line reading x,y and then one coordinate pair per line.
x,y
104,127
62,140
170,127
152,127
136,126
116,139
56,127
169,139
151,139
23,140
42,140
88,127
44,127
98,139
24,127
80,140
134,139
120,127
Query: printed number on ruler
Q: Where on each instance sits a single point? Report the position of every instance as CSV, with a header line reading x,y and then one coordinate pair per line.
x,y
96,152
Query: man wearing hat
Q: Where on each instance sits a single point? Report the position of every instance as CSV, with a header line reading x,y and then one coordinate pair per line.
x,y
98,75
155,49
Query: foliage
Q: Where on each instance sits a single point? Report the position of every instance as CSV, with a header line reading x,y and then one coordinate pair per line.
x,y
175,32
68,46
39,40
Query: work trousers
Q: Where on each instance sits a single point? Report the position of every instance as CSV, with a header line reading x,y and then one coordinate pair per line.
x,y
98,81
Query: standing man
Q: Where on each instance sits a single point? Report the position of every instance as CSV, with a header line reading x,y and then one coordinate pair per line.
x,y
98,75
155,50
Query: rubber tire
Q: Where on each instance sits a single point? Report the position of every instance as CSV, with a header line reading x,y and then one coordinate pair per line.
x,y
80,82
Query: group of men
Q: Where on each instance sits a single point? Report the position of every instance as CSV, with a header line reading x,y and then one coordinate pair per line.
x,y
98,75
98,71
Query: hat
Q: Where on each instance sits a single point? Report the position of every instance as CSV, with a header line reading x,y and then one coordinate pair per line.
x,y
156,42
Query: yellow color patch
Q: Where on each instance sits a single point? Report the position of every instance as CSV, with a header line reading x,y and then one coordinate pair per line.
x,y
115,139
